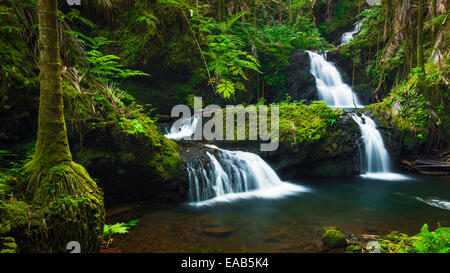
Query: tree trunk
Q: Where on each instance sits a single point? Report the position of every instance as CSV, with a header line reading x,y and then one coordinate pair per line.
x,y
433,15
220,10
52,147
51,182
420,62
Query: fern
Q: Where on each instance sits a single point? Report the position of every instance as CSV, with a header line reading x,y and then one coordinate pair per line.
x,y
432,242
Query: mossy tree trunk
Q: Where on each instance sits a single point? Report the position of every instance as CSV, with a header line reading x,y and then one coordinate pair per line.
x,y
420,62
70,200
52,145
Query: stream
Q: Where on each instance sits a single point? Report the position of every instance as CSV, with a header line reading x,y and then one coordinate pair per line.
x,y
356,205
237,202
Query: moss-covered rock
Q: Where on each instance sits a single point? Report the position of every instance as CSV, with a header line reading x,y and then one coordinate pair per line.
x,y
316,141
334,238
123,149
322,230
354,248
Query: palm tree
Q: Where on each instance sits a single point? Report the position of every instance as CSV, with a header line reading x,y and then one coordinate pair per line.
x,y
70,200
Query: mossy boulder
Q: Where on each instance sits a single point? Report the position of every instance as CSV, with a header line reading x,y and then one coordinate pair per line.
x,y
322,230
316,140
334,238
124,150
354,248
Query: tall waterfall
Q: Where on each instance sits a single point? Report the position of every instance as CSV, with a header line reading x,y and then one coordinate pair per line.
x,y
347,36
185,130
377,159
329,83
231,175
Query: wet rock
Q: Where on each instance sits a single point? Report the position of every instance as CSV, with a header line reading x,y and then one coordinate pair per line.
x,y
300,83
220,231
374,247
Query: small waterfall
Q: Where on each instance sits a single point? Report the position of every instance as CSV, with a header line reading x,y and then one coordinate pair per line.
x,y
347,36
186,128
231,175
329,83
377,161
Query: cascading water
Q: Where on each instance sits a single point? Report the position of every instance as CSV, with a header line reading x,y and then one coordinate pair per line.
x,y
329,83
186,128
231,175
377,163
348,36
336,93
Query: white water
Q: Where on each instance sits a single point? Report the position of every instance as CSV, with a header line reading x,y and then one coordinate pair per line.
x,y
330,86
185,130
231,175
378,165
436,202
348,36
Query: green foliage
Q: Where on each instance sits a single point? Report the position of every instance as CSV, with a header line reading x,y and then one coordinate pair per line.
x,y
432,242
18,34
104,67
437,241
5,187
343,14
410,107
227,59
119,228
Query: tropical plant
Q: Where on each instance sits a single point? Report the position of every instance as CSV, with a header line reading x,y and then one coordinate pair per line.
x,y
118,228
437,241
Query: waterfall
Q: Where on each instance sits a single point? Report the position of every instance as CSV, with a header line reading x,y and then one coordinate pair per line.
x,y
186,128
329,83
377,163
347,36
231,175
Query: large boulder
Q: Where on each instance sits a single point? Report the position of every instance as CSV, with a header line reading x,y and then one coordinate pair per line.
x,y
300,83
123,150
314,140
331,151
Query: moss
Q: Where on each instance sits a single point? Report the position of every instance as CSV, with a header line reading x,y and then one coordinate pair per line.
x,y
70,203
355,248
395,236
322,230
8,245
334,238
15,213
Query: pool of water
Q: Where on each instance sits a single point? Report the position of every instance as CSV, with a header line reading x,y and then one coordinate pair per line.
x,y
355,205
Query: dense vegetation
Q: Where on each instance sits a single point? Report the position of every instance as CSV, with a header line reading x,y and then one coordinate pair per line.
x,y
124,64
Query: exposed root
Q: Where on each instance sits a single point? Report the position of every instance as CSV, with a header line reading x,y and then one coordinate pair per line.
x,y
71,202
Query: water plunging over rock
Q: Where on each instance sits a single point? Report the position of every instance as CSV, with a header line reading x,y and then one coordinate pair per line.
x,y
377,161
348,36
330,86
231,175
185,130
